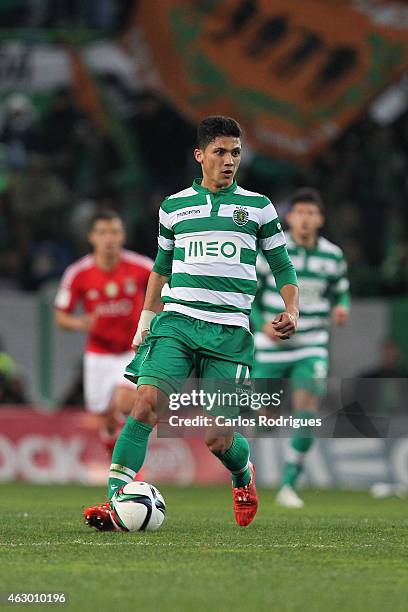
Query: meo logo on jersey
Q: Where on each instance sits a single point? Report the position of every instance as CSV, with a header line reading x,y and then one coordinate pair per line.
x,y
240,216
206,250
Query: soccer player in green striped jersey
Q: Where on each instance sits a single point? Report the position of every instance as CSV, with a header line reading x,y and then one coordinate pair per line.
x,y
198,300
324,295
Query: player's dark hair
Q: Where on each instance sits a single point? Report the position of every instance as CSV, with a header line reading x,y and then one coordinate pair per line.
x,y
216,125
307,195
104,215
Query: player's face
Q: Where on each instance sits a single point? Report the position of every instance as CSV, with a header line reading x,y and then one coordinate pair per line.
x,y
305,219
219,161
107,237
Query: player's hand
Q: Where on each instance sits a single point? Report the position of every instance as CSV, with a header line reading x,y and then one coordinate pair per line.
x,y
87,321
284,325
143,328
135,347
269,330
340,315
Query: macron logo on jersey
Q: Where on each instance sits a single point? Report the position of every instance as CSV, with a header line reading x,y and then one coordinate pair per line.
x,y
206,250
189,211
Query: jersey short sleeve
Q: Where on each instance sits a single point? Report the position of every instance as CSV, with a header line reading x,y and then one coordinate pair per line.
x,y
69,291
164,258
271,234
272,243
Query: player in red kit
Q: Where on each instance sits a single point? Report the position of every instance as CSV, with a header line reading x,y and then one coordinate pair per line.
x,y
110,285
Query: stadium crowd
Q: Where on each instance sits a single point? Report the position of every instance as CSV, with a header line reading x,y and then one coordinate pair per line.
x,y
56,170
109,15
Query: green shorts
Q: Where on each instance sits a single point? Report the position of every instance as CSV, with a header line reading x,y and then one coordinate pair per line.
x,y
176,344
309,373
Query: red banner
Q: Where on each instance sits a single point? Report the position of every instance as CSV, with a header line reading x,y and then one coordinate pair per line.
x,y
65,447
294,73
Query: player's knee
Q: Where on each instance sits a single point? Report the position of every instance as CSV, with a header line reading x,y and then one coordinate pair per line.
x,y
218,445
145,405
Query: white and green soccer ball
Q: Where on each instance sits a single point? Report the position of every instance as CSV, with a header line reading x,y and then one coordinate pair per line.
x,y
138,506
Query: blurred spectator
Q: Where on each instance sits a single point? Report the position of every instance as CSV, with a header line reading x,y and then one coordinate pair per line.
x,y
143,238
81,215
13,13
62,13
79,221
45,261
166,140
20,132
11,384
99,14
61,134
40,199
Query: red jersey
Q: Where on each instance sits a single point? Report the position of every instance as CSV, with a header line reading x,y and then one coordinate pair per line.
x,y
116,296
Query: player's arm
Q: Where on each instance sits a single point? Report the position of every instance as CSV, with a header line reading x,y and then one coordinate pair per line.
x,y
286,322
273,245
72,322
158,278
340,293
257,316
65,302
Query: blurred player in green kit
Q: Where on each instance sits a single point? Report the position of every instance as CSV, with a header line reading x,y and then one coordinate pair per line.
x,y
324,297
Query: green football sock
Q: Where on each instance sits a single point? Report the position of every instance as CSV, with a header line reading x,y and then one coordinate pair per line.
x,y
236,460
299,446
129,454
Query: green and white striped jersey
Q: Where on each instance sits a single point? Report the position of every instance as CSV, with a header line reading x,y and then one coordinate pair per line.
x,y
208,243
323,283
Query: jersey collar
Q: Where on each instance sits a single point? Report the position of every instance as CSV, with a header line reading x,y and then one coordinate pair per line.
x,y
197,187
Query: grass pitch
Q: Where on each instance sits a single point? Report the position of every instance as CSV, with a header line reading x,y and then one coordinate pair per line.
x,y
344,551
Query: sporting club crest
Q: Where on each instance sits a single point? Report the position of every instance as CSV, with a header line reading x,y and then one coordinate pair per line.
x,y
240,216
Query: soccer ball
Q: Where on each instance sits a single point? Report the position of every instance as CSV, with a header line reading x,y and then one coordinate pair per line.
x,y
138,506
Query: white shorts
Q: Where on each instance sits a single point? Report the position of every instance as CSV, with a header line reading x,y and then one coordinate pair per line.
x,y
103,373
